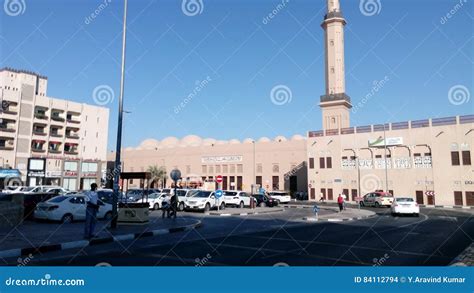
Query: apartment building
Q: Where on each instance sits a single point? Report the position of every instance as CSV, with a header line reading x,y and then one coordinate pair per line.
x,y
51,141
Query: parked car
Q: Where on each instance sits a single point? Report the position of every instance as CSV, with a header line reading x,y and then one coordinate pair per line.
x,y
136,194
280,196
17,189
377,199
56,190
264,200
184,195
68,208
155,200
204,201
236,198
405,206
106,195
301,195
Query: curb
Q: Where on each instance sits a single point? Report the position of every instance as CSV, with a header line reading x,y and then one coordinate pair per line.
x,y
355,205
465,258
447,207
338,220
17,252
245,214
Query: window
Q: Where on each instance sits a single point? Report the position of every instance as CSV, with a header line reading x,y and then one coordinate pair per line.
x,y
323,193
259,180
466,158
211,169
232,168
470,198
259,168
311,163
329,162
276,182
330,194
224,169
188,169
276,168
455,159
204,169
322,164
218,168
240,168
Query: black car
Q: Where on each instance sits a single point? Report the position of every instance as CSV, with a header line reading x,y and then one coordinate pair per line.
x,y
264,200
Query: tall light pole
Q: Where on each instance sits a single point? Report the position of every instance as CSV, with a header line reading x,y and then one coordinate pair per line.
x,y
118,167
254,179
385,147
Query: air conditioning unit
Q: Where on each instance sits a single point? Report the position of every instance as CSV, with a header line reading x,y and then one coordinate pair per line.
x,y
10,142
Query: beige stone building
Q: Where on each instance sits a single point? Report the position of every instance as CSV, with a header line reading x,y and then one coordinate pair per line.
x,y
51,141
274,164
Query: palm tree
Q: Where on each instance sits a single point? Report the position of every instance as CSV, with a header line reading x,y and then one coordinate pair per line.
x,y
158,174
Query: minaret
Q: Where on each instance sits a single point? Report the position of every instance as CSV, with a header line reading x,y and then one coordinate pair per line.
x,y
335,104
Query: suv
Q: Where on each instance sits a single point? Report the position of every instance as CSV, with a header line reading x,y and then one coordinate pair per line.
x,y
203,201
236,198
280,196
377,199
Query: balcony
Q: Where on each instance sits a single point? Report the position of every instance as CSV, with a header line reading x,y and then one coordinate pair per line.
x,y
70,149
6,128
54,151
41,116
72,133
73,117
57,117
7,144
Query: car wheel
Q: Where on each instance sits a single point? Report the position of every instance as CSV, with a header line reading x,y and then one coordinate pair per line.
x,y
278,201
67,219
222,206
394,214
361,204
417,215
108,216
156,207
241,205
207,208
181,206
262,205
377,204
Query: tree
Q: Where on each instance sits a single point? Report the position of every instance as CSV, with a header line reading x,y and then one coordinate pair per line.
x,y
158,175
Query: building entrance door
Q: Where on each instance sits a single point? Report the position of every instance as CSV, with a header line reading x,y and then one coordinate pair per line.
x,y
419,197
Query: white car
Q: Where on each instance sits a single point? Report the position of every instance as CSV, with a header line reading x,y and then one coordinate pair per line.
x,y
377,199
155,200
405,206
57,190
280,196
236,198
184,195
204,201
68,208
18,189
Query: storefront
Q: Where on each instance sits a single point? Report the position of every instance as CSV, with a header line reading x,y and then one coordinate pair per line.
x,y
89,174
36,172
70,175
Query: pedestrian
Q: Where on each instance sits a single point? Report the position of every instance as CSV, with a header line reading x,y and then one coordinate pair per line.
x,y
321,199
91,212
344,197
165,206
174,206
340,202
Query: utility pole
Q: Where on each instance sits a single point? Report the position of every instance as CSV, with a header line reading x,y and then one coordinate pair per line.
x,y
385,147
118,167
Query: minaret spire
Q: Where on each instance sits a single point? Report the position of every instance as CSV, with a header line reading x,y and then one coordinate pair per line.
x,y
335,104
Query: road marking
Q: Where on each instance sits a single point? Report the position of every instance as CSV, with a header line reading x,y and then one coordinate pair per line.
x,y
448,218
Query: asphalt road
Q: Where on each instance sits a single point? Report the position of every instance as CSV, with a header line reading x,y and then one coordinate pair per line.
x,y
281,239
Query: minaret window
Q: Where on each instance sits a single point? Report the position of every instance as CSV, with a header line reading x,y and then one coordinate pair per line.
x,y
331,42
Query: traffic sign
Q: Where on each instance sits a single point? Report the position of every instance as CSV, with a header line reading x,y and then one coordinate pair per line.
x,y
219,193
430,192
219,179
175,174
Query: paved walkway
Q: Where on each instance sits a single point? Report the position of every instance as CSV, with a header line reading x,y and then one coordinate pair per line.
x,y
32,235
466,258
336,216
245,211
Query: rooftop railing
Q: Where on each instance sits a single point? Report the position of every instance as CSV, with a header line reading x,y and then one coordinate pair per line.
x,y
436,122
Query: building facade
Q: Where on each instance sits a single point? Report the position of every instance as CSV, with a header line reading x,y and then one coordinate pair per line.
x,y
51,141
274,164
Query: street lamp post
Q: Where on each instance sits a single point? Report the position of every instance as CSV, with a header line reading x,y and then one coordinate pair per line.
x,y
254,180
118,167
385,147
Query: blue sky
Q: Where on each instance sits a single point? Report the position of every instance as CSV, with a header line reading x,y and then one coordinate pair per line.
x,y
243,57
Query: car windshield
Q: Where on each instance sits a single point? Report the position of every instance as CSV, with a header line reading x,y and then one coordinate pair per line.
x,y
57,199
278,193
231,193
181,192
405,199
202,194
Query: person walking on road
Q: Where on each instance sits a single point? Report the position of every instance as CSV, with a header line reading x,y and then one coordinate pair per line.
x,y
91,212
340,202
165,206
174,206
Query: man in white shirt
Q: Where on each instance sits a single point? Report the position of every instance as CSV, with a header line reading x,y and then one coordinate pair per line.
x,y
91,211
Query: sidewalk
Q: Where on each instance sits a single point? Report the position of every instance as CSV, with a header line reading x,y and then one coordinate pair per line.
x,y
466,258
336,216
33,237
245,212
